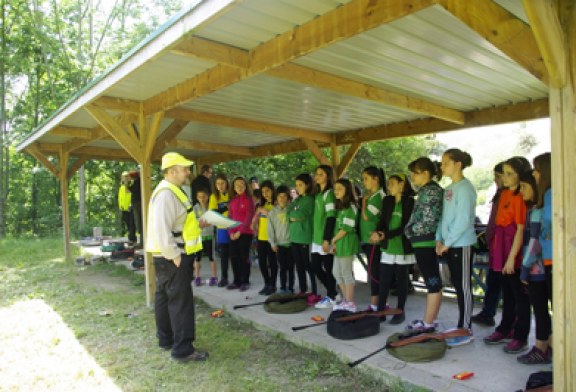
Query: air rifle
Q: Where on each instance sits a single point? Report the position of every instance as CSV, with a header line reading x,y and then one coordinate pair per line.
x,y
282,300
451,333
353,317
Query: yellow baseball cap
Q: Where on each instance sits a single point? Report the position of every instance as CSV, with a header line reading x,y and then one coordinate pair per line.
x,y
125,173
174,159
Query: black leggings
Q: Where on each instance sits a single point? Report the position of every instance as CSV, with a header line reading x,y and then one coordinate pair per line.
x,y
240,259
460,265
515,307
301,255
373,254
427,261
389,272
268,263
286,262
224,259
540,293
322,267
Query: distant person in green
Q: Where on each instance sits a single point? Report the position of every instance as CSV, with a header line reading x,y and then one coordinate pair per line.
x,y
125,205
345,243
300,215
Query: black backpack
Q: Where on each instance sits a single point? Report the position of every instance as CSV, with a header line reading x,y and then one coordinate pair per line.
x,y
355,329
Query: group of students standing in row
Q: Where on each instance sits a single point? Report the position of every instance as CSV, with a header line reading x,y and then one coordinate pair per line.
x,y
318,234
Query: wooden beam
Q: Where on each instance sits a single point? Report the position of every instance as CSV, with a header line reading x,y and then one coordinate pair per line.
x,y
547,30
40,157
499,115
101,153
344,22
315,78
118,104
214,51
73,144
79,133
115,129
348,158
233,122
316,151
75,166
169,134
503,29
202,146
149,134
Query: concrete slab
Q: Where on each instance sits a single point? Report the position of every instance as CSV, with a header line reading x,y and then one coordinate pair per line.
x,y
494,369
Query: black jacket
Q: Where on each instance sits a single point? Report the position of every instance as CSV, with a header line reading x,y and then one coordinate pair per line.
x,y
388,204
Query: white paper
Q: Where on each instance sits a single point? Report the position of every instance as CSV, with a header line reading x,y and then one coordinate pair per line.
x,y
218,220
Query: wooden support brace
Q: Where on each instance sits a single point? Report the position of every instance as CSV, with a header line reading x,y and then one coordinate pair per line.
x,y
75,166
36,153
169,134
348,158
316,151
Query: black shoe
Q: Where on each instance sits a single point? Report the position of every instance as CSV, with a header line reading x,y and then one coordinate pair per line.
x,y
232,286
398,319
480,318
270,290
166,346
264,290
223,283
196,356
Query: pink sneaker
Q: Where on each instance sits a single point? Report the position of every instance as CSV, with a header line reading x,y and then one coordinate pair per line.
x,y
515,346
498,338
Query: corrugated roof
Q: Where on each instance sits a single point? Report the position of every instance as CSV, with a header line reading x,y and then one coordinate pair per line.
x,y
411,68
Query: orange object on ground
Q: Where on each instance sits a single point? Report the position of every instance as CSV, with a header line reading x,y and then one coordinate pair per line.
x,y
463,375
217,313
317,318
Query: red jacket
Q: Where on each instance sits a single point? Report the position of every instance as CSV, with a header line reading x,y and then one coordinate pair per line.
x,y
241,209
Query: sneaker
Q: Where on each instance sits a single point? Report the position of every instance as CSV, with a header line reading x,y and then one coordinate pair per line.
x,y
244,287
371,309
459,341
498,338
325,303
349,306
313,299
232,286
419,325
536,357
339,306
263,291
223,283
515,346
195,355
398,319
284,291
271,290
198,281
481,319
213,281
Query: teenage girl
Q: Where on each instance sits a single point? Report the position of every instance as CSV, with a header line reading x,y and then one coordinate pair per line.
x,y
219,200
507,258
324,221
202,195
345,244
279,239
397,254
373,179
421,231
300,216
456,235
241,210
266,257
540,286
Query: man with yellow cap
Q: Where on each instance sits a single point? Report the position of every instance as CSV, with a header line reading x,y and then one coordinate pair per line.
x,y
125,205
174,235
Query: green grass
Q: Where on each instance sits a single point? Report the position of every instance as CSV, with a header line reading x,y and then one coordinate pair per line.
x,y
123,342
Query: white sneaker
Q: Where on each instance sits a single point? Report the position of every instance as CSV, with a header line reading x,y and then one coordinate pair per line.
x,y
349,306
339,306
325,303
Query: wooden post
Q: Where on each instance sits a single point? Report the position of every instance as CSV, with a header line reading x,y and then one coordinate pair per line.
x,y
146,185
63,177
335,158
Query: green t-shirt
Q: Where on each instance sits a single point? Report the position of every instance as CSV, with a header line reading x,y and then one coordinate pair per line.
x,y
372,212
324,208
395,246
301,209
346,220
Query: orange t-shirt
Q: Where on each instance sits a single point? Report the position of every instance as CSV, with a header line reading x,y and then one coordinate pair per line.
x,y
511,209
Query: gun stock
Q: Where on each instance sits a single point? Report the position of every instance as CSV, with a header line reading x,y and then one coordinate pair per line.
x,y
360,315
453,333
280,300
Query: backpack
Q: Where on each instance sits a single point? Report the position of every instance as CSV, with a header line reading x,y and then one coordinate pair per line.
x,y
426,351
355,329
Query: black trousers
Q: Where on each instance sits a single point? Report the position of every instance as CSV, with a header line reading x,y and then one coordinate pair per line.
x,y
301,255
206,251
540,294
389,273
268,263
460,261
286,263
128,221
515,307
493,292
240,259
174,305
322,268
137,214
373,254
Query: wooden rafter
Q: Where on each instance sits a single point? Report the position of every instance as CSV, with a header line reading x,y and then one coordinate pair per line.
x,y
39,155
504,30
79,133
116,130
149,134
315,78
76,165
73,144
214,51
169,134
118,104
344,22
545,23
348,158
316,151
233,122
215,147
